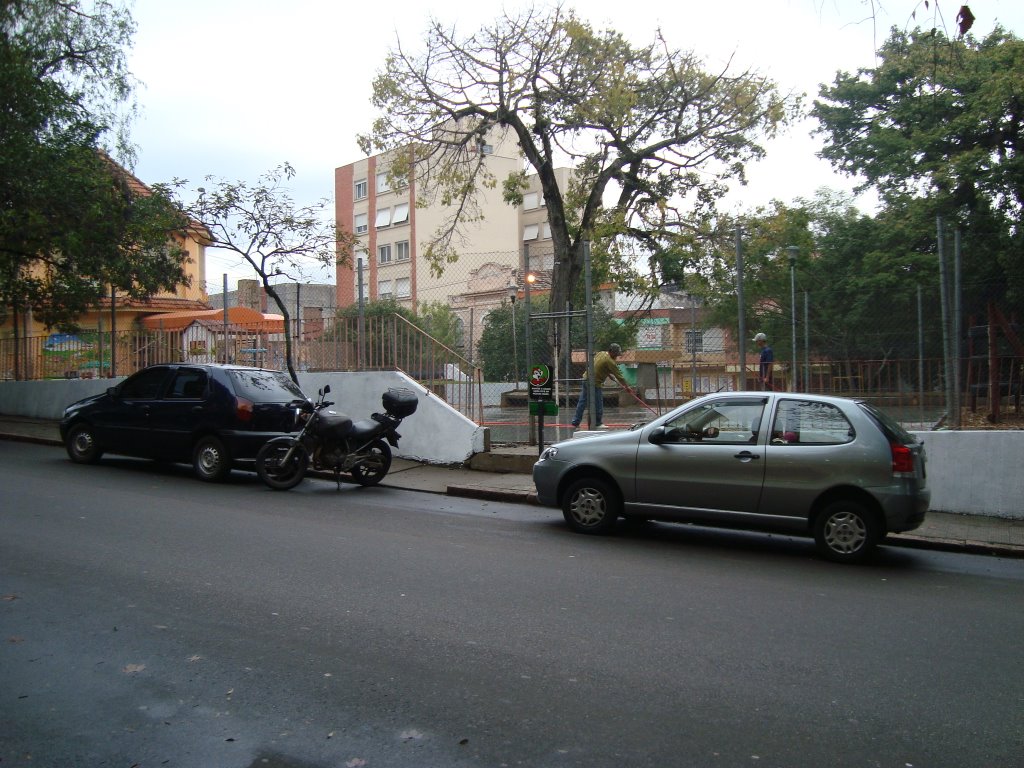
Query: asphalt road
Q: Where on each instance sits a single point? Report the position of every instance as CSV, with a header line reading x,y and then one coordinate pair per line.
x,y
148,619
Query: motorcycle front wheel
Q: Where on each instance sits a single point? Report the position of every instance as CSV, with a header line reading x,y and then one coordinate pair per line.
x,y
371,470
272,469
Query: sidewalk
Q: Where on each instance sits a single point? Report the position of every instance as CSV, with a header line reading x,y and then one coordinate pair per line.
x,y
941,531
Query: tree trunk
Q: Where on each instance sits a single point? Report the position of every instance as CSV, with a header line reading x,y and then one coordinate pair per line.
x,y
288,353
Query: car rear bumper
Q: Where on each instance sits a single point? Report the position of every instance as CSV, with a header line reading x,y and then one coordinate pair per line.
x,y
904,511
245,445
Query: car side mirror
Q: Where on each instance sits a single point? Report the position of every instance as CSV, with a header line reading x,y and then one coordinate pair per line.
x,y
112,391
663,434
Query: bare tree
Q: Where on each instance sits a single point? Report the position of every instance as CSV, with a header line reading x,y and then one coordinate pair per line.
x,y
269,231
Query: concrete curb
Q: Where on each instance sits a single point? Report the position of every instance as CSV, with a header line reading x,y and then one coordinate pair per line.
x,y
492,494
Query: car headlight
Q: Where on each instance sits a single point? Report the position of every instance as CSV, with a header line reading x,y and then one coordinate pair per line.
x,y
549,453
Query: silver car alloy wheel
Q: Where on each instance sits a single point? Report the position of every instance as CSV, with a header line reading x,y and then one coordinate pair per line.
x,y
845,532
589,506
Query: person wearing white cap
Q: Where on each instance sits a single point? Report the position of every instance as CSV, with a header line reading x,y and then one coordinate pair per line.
x,y
767,361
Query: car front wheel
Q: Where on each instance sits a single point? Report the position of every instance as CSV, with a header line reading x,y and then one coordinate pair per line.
x,y
846,532
210,459
591,505
81,445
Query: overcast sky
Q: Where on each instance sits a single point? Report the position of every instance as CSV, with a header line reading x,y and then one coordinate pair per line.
x,y
233,88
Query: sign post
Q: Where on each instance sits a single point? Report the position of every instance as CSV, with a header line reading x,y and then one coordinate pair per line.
x,y
541,399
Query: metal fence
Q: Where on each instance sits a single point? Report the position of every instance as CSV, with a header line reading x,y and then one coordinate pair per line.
x,y
373,344
672,361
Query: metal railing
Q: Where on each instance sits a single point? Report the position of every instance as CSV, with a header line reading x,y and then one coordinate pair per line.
x,y
374,344
915,387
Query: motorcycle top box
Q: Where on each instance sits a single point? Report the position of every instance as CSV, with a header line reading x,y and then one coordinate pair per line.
x,y
399,402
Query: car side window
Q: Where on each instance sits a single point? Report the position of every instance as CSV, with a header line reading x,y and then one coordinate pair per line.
x,y
144,385
723,422
804,422
188,384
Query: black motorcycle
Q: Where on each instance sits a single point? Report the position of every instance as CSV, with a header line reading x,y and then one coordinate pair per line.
x,y
330,440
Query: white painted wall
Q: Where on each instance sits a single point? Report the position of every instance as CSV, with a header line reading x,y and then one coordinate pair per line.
x,y
436,433
976,472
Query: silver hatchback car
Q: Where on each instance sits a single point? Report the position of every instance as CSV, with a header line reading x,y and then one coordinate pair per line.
x,y
839,470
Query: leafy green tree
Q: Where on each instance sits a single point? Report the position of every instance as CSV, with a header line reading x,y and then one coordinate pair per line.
x,y
495,348
72,223
939,119
440,321
651,134
262,225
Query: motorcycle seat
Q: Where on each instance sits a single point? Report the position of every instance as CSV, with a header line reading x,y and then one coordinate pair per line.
x,y
364,429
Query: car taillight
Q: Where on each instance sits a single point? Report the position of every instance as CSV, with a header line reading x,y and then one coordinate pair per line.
x,y
902,460
244,409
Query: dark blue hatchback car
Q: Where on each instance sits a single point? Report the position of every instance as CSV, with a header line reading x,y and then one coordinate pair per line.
x,y
209,415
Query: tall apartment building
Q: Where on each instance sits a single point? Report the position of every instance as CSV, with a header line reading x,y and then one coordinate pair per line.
x,y
394,226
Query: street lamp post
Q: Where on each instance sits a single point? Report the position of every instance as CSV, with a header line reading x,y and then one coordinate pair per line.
x,y
793,251
513,291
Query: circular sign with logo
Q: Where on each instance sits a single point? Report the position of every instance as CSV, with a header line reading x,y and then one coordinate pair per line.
x,y
540,383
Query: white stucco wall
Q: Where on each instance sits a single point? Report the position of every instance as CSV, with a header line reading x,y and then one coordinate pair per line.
x,y
436,433
976,472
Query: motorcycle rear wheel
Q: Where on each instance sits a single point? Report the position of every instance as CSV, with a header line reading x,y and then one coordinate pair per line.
x,y
280,476
372,469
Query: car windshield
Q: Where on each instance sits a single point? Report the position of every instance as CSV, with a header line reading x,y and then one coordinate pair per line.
x,y
265,386
892,429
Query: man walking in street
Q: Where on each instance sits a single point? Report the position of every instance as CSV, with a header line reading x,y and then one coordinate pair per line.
x,y
766,363
604,366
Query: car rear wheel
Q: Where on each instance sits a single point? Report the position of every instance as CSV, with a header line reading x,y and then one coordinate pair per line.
x,y
210,459
846,532
591,505
81,445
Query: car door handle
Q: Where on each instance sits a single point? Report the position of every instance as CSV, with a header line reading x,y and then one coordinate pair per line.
x,y
746,456
197,409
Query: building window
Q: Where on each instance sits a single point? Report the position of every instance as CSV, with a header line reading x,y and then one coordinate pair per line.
x,y
384,289
361,189
383,185
401,213
383,218
530,200
361,223
530,231
402,288
694,341
402,251
384,254
545,231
